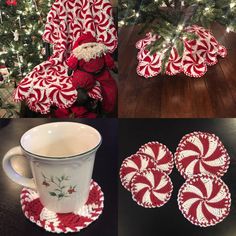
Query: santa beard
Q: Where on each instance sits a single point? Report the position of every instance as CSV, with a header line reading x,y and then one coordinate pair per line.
x,y
89,51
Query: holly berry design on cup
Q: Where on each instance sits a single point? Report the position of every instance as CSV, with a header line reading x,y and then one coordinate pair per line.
x,y
71,190
60,187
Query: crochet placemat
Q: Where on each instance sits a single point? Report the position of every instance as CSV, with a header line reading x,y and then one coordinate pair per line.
x,y
199,153
204,200
67,222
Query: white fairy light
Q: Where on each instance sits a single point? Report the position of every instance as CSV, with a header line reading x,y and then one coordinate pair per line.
x,y
122,22
228,29
167,39
207,9
232,5
137,15
180,27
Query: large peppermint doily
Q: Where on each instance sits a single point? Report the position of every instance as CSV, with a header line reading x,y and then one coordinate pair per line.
x,y
151,188
160,154
133,165
204,200
198,54
49,84
63,223
200,152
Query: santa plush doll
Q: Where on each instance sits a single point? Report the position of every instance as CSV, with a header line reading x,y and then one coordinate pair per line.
x,y
91,62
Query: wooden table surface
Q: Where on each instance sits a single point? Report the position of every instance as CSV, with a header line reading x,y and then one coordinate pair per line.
x,y
168,220
213,95
14,223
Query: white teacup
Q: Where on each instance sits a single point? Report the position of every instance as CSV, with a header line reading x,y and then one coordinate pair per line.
x,y
61,157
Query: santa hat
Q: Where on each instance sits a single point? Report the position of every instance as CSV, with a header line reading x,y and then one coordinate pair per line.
x,y
86,48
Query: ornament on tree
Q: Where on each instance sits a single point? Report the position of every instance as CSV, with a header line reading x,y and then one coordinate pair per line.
x,y
11,2
1,21
16,35
4,73
19,20
43,51
197,55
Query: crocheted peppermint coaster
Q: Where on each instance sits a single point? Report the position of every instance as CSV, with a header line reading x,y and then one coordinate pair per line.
x,y
204,200
62,223
201,153
151,188
133,165
160,154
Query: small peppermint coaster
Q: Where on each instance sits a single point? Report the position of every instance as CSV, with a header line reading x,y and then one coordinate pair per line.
x,y
200,152
151,188
204,200
160,154
133,165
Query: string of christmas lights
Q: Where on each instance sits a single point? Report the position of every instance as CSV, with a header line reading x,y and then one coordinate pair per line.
x,y
133,17
21,28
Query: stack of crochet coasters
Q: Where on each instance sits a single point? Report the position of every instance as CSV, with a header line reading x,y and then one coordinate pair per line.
x,y
145,174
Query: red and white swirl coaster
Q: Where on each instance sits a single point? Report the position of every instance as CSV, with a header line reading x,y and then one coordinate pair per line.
x,y
201,153
133,165
151,188
204,200
160,154
62,223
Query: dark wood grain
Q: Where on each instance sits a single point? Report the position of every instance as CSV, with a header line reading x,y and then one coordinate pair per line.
x,y
14,223
167,220
213,95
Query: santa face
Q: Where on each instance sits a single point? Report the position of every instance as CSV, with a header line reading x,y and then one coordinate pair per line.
x,y
88,51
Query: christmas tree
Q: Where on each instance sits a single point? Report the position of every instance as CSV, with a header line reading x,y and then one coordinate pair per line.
x,y
21,27
169,20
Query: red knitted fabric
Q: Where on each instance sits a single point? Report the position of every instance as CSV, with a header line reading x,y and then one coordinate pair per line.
x,y
63,223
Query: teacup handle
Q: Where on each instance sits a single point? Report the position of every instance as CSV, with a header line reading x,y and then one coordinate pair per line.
x,y
11,173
